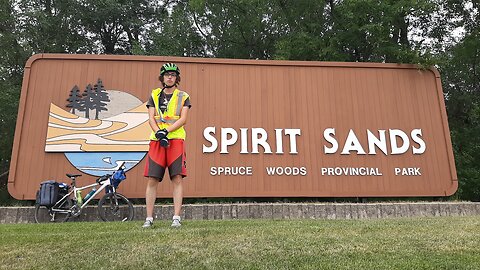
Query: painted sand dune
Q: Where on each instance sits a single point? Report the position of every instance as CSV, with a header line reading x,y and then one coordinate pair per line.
x,y
125,132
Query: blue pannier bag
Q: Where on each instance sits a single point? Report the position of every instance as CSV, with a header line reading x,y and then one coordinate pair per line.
x,y
118,177
48,193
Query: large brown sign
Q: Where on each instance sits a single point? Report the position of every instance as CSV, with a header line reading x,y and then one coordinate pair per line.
x,y
255,129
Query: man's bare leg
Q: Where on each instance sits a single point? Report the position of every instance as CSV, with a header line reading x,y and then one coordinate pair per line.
x,y
151,195
177,194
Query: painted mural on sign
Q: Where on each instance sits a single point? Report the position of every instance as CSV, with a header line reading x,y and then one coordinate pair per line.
x,y
103,129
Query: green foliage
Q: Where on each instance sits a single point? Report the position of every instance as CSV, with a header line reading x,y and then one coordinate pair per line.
x,y
11,62
236,29
462,88
398,31
50,26
460,67
113,26
177,36
8,111
357,31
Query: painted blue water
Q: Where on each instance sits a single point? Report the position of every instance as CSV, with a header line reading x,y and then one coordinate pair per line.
x,y
101,163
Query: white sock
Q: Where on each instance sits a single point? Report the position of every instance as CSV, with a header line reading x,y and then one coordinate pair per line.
x,y
149,219
176,217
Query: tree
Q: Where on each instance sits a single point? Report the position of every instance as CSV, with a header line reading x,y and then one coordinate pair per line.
x,y
52,26
100,98
460,71
12,60
176,35
235,29
356,31
74,101
118,26
400,31
88,100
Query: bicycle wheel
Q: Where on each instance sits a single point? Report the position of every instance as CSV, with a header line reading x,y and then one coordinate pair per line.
x,y
115,207
45,214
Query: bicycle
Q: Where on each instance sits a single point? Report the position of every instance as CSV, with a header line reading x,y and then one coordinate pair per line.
x,y
113,206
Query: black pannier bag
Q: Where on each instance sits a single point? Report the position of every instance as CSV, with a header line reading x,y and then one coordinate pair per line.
x,y
63,190
48,193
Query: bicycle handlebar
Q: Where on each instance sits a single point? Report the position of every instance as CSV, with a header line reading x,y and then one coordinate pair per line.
x,y
121,165
103,178
106,176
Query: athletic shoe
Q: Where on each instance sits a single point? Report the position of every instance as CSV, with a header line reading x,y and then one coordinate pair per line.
x,y
176,223
147,224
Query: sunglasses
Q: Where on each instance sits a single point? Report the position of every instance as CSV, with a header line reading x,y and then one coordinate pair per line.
x,y
170,74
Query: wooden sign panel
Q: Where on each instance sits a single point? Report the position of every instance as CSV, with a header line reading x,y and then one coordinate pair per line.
x,y
255,129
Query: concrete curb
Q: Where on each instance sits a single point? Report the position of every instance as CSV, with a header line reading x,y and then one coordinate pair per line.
x,y
275,211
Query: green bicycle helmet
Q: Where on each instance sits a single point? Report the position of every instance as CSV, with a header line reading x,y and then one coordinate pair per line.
x,y
169,67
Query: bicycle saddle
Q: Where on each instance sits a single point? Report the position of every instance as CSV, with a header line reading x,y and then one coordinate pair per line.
x,y
73,175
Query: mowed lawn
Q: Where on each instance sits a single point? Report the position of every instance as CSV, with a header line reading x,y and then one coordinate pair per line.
x,y
413,243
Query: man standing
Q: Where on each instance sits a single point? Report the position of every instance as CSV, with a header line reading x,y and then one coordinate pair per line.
x,y
167,114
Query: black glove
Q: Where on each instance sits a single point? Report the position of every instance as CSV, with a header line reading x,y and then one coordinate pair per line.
x,y
164,142
161,133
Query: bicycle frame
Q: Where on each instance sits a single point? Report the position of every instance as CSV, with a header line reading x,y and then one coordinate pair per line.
x,y
103,184
74,190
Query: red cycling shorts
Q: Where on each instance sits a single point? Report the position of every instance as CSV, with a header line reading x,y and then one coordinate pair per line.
x,y
159,158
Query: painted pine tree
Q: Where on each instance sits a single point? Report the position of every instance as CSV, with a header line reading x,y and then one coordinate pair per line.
x,y
101,98
88,100
75,99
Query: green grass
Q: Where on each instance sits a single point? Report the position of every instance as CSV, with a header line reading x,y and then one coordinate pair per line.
x,y
416,243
